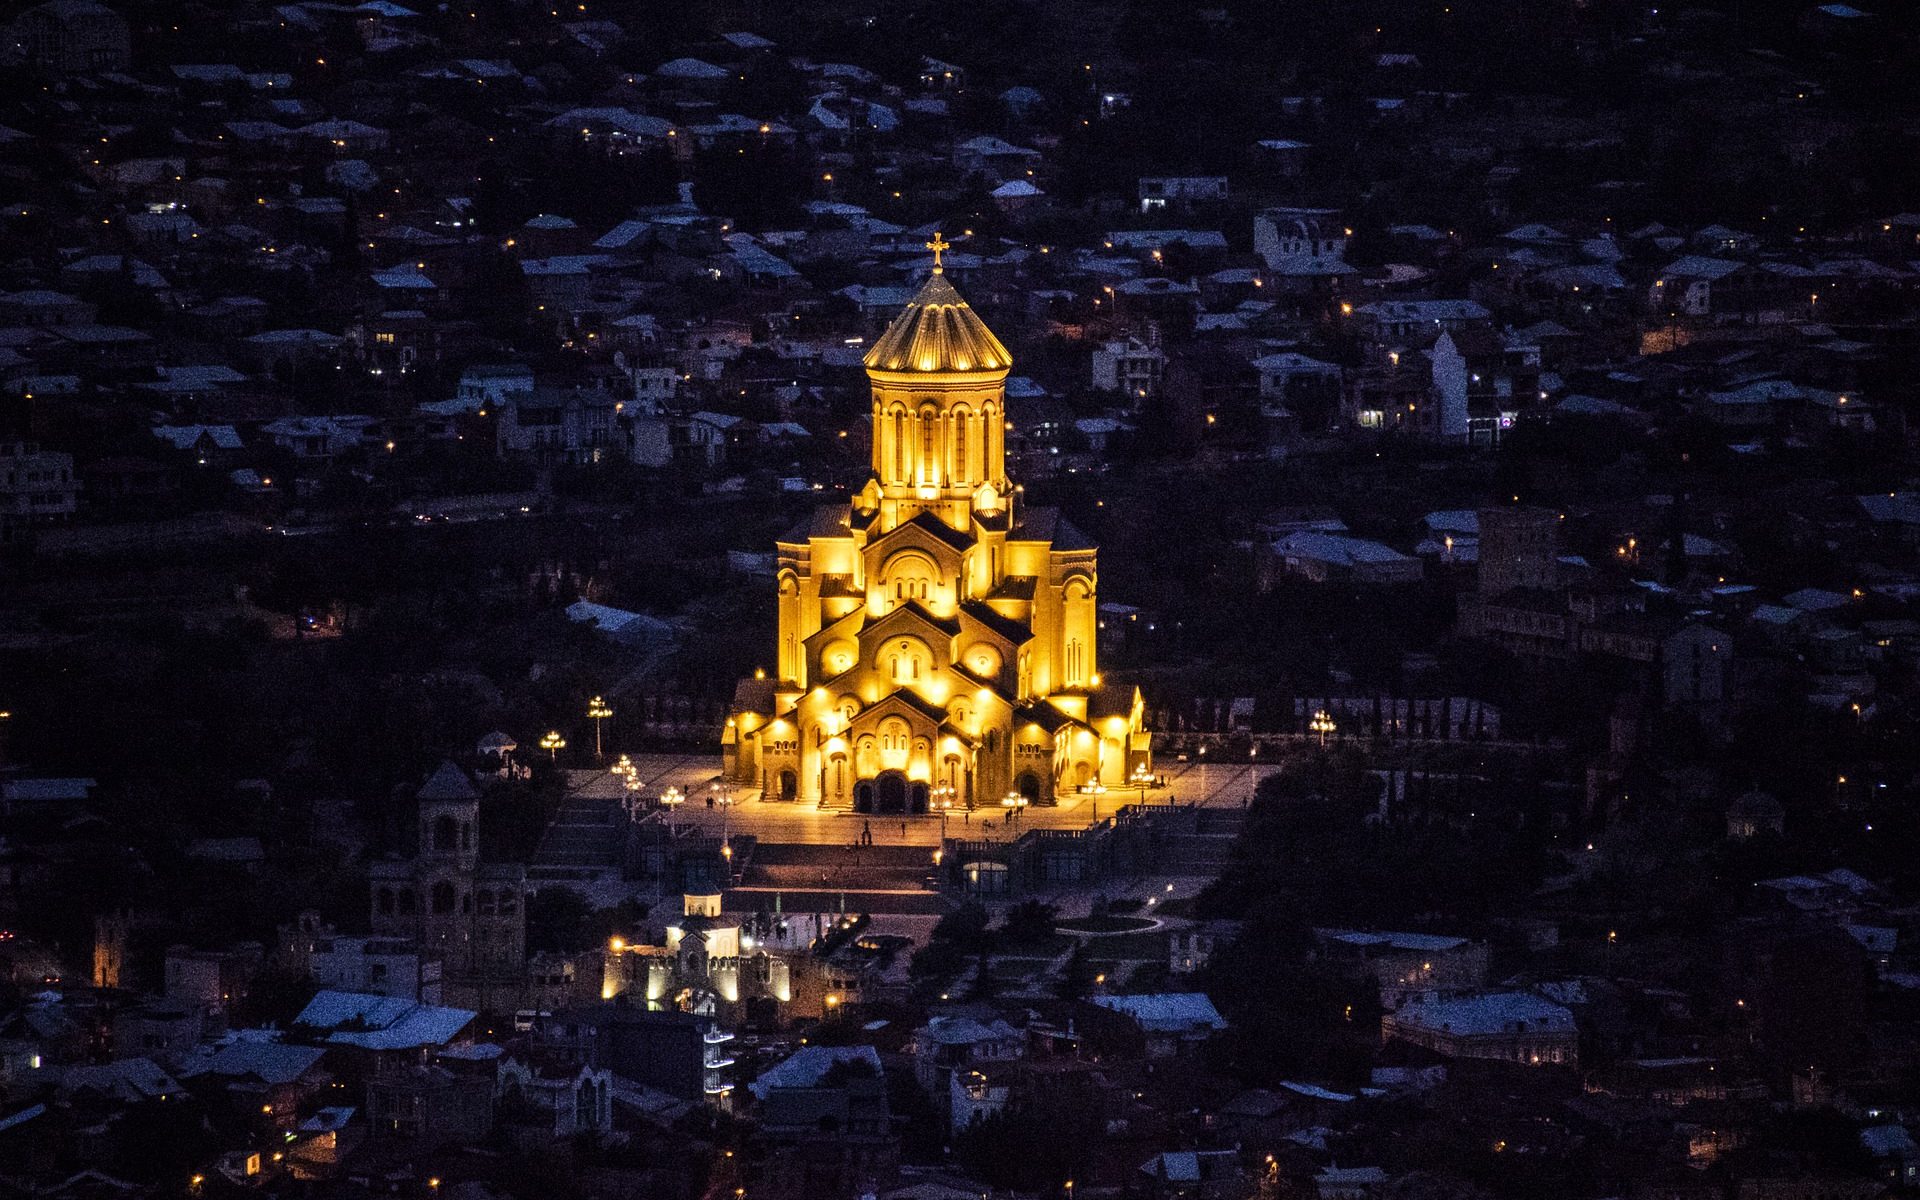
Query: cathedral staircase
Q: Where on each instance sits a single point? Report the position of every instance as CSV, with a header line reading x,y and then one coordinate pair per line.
x,y
1207,847
586,840
817,878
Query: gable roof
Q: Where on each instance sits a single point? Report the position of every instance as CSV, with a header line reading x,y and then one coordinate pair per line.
x,y
808,1066
447,783
390,1023
269,1062
1167,1012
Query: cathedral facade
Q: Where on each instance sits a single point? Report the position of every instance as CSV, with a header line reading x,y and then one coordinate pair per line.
x,y
936,639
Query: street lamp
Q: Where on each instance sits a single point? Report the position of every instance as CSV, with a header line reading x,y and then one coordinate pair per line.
x,y
598,710
943,800
1322,724
632,803
722,793
1140,778
553,744
671,799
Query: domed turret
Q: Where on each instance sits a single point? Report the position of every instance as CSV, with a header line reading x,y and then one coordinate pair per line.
x,y
938,333
939,408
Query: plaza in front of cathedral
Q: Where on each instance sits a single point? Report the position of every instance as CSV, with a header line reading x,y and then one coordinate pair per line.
x,y
1209,784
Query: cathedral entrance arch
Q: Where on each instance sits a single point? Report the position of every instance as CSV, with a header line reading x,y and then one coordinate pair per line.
x,y
1028,785
789,785
917,798
890,793
863,796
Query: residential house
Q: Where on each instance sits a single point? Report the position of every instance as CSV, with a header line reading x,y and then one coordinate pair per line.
x,y
1332,557
950,1045
562,1095
1193,1175
76,37
1406,965
211,980
36,487
1172,1024
1515,1027
828,1129
427,1106
1130,367
1183,191
558,425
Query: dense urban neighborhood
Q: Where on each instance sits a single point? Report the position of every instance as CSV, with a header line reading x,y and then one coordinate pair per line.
x,y
867,600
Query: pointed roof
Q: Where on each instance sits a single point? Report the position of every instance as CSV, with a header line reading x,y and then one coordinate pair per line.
x,y
448,783
938,333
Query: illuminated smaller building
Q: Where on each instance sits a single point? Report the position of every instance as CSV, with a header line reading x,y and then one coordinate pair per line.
x,y
708,963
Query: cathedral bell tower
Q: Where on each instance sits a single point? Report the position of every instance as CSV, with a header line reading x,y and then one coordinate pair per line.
x,y
939,410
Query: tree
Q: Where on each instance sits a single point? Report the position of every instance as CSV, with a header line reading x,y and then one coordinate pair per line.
x,y
1029,923
1077,980
957,936
1027,1149
557,920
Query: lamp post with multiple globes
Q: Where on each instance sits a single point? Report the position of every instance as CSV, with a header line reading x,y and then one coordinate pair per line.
x,y
1322,724
1014,803
943,800
631,801
722,794
598,710
671,799
1140,778
553,744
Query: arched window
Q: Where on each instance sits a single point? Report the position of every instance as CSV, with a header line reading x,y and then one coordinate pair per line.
x,y
1078,631
929,472
443,897
961,470
904,664
899,444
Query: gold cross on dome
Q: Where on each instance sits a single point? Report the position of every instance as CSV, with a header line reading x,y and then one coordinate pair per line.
x,y
937,245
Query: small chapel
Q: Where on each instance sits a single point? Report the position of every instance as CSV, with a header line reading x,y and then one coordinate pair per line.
x,y
936,643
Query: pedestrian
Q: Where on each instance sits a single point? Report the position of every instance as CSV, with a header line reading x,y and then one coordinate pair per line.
x,y
903,831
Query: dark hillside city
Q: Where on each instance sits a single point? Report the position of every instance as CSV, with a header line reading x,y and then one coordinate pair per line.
x,y
1019,600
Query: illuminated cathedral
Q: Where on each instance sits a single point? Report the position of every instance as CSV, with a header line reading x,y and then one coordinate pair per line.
x,y
936,634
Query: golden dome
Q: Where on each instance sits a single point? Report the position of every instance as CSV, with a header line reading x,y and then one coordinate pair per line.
x,y
938,333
